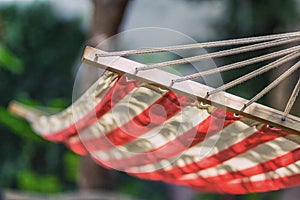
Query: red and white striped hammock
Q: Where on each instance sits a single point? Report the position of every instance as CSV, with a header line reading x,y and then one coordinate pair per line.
x,y
180,135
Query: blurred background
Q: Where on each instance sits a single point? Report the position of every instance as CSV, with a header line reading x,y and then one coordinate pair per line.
x,y
40,47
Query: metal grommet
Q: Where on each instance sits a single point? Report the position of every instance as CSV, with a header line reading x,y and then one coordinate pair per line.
x,y
270,126
236,115
128,79
204,104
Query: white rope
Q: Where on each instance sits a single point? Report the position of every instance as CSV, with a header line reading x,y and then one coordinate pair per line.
x,y
273,84
291,101
255,73
223,53
238,64
202,45
249,44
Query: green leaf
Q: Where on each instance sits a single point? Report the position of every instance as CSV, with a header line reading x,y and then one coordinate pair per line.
x,y
9,61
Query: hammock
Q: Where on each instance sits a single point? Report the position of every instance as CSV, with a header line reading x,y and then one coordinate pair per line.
x,y
158,126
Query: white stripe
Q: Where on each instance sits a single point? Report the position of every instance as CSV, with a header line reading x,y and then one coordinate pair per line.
x,y
262,153
290,170
124,111
186,119
82,106
227,137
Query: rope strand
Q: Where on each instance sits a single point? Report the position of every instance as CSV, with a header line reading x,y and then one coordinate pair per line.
x,y
218,54
255,73
273,84
246,45
238,64
291,100
202,45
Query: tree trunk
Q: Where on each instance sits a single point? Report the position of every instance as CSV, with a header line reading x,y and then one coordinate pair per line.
x,y
290,193
107,17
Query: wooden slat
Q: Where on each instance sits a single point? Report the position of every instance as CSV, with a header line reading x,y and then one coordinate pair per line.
x,y
192,89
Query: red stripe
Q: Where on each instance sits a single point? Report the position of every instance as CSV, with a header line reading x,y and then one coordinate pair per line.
x,y
243,186
79,148
260,168
211,125
261,136
237,185
140,124
118,91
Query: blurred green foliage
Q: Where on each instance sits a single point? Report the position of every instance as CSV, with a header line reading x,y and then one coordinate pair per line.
x,y
10,62
29,180
71,164
37,52
258,17
17,126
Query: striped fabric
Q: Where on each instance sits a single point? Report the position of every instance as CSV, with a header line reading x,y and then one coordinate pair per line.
x,y
158,135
